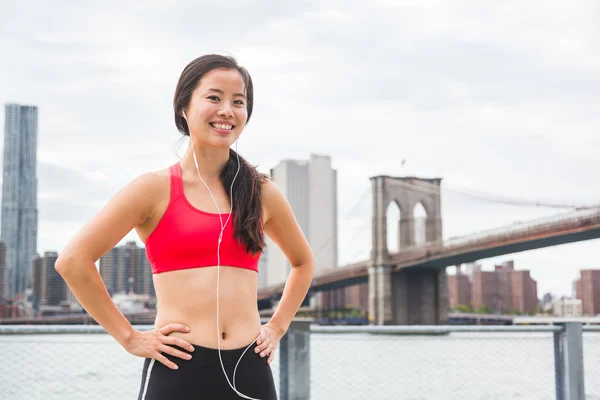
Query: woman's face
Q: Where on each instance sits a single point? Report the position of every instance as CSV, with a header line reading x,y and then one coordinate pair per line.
x,y
217,113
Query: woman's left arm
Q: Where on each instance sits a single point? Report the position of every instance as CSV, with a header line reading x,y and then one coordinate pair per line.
x,y
281,226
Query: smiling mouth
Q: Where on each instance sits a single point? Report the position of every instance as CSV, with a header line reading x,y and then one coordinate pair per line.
x,y
225,127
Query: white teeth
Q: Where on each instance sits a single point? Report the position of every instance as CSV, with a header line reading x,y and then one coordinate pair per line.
x,y
222,126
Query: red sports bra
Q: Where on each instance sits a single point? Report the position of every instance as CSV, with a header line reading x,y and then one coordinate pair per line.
x,y
186,237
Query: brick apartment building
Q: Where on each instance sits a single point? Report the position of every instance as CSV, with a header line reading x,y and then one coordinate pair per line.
x,y
459,289
502,290
587,290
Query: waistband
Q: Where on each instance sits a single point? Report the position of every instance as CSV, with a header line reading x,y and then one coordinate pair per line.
x,y
208,357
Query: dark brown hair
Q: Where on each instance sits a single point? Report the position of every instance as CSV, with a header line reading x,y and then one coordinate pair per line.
x,y
247,203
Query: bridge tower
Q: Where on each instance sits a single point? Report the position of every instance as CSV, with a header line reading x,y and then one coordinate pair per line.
x,y
415,296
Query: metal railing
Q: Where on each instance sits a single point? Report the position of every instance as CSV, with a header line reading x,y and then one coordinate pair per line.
x,y
331,362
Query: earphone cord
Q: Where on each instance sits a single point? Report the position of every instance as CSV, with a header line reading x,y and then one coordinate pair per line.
x,y
219,266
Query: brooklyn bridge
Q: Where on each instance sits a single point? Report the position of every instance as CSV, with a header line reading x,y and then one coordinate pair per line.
x,y
409,286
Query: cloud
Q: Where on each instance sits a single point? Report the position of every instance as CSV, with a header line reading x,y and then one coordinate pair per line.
x,y
58,181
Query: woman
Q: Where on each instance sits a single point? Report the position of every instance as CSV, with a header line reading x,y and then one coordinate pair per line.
x,y
198,253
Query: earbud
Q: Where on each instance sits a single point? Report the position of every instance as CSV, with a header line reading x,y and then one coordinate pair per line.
x,y
183,114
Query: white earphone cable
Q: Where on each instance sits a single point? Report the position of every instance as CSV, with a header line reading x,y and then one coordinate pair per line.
x,y
223,225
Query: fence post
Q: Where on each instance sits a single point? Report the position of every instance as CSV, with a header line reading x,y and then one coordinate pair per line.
x,y
294,362
572,355
558,364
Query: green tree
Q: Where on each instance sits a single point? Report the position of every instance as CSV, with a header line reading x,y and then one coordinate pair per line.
x,y
484,310
463,308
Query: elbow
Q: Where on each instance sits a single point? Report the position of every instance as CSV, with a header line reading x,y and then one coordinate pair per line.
x,y
305,264
63,264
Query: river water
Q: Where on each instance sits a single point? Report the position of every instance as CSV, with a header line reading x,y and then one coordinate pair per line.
x,y
465,366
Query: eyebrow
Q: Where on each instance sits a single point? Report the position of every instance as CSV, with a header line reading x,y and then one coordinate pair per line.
x,y
221,92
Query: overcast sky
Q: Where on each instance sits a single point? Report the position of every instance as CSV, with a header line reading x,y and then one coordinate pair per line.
x,y
494,97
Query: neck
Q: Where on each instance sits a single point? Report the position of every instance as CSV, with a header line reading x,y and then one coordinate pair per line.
x,y
210,161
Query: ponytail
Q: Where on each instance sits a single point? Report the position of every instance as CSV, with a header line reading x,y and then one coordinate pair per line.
x,y
247,202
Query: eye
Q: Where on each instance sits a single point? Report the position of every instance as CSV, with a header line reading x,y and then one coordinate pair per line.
x,y
214,98
240,102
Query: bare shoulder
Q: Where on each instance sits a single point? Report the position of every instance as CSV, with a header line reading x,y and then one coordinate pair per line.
x,y
151,182
162,173
154,188
268,189
155,180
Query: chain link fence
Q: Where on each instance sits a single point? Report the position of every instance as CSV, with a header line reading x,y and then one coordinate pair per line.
x,y
456,365
469,363
79,366
591,361
54,366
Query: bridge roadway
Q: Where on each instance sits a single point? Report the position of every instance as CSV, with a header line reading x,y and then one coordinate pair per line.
x,y
573,227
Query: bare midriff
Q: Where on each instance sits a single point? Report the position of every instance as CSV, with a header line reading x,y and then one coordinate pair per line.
x,y
189,297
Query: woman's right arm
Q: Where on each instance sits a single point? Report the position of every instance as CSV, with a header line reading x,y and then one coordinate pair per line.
x,y
131,206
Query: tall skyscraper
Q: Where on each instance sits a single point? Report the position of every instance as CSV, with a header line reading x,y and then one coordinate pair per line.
x,y
19,223
311,189
2,268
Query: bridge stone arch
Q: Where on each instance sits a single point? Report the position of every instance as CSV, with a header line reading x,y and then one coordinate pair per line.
x,y
393,216
406,192
419,221
409,297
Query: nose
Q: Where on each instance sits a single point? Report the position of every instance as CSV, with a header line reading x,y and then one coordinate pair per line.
x,y
225,110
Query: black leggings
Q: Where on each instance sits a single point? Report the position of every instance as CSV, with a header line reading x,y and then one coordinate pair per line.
x,y
202,377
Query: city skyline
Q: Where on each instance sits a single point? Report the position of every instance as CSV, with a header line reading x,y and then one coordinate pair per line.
x,y
456,95
295,177
488,264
